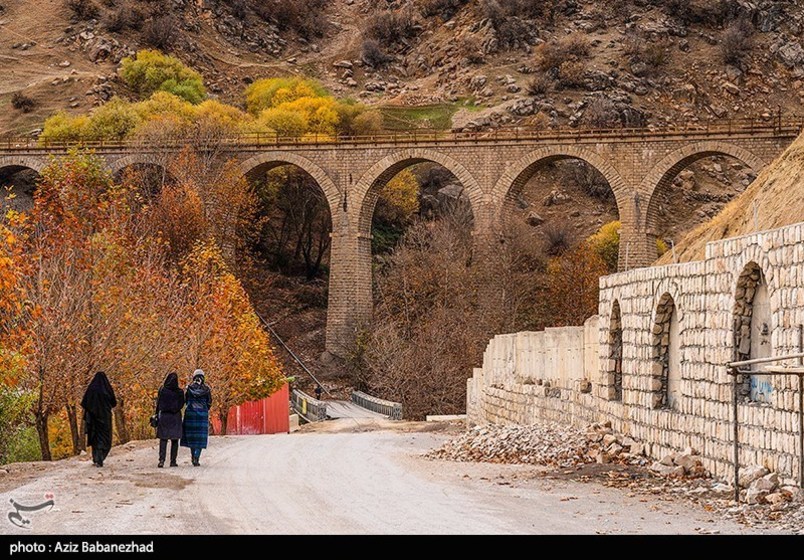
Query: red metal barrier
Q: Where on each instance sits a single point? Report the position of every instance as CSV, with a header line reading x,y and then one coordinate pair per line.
x,y
267,416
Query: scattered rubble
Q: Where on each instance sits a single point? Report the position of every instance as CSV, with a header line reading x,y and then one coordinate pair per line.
x,y
600,454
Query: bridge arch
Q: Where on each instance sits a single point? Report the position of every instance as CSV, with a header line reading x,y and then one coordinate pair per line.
x,y
367,189
34,163
270,160
667,169
118,165
21,173
518,173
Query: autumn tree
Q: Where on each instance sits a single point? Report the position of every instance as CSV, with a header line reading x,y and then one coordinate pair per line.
x,y
433,315
573,285
224,335
150,70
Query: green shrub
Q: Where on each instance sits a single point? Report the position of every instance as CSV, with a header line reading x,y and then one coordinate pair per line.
x,y
18,438
150,71
24,446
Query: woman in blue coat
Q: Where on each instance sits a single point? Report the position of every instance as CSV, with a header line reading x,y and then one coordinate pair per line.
x,y
196,416
168,410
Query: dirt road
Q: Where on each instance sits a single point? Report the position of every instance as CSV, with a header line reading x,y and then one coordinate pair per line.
x,y
351,481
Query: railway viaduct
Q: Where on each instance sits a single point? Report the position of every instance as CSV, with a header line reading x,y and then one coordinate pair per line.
x,y
492,167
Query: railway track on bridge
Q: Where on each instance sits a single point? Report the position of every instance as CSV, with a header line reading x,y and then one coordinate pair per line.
x,y
775,126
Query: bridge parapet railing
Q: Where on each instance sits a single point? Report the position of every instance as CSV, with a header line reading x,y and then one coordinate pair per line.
x,y
309,408
775,125
391,409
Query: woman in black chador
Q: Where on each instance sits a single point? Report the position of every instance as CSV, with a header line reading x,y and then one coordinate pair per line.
x,y
168,408
98,403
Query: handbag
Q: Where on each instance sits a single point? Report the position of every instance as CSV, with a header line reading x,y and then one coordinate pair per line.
x,y
154,419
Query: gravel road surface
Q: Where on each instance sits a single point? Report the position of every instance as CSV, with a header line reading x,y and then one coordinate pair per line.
x,y
349,480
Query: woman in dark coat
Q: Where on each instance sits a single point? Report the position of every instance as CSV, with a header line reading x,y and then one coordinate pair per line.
x,y
196,416
98,402
168,409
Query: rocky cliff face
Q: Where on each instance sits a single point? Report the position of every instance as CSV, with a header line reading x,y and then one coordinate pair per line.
x,y
489,62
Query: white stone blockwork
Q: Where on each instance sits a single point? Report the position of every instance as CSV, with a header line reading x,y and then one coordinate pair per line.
x,y
565,374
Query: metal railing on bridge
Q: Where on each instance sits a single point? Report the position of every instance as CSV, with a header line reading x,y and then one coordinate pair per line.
x,y
777,125
392,410
312,410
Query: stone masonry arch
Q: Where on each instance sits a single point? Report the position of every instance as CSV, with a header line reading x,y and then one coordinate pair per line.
x,y
355,309
668,168
366,191
338,329
664,339
31,162
276,159
614,341
118,165
19,173
518,173
751,275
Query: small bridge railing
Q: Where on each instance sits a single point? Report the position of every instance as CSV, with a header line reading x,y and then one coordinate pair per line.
x,y
392,410
776,125
307,407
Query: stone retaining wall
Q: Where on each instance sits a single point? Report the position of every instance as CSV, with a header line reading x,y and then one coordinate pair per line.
x,y
566,374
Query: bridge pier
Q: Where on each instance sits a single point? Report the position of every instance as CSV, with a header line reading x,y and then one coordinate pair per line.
x,y
350,298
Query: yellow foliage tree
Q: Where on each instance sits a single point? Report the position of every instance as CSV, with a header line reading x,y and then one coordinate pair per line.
x,y
284,122
573,285
287,107
163,103
272,92
113,121
320,113
400,197
606,243
62,127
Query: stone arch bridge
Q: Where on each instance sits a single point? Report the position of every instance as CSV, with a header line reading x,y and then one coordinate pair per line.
x,y
491,167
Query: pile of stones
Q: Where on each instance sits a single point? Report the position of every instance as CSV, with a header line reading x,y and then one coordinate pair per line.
x,y
546,444
539,444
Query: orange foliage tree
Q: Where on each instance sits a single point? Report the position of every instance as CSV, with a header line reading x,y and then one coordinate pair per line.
x,y
573,285
224,333
103,290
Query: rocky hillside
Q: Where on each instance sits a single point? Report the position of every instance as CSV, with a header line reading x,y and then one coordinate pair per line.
x,y
476,63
